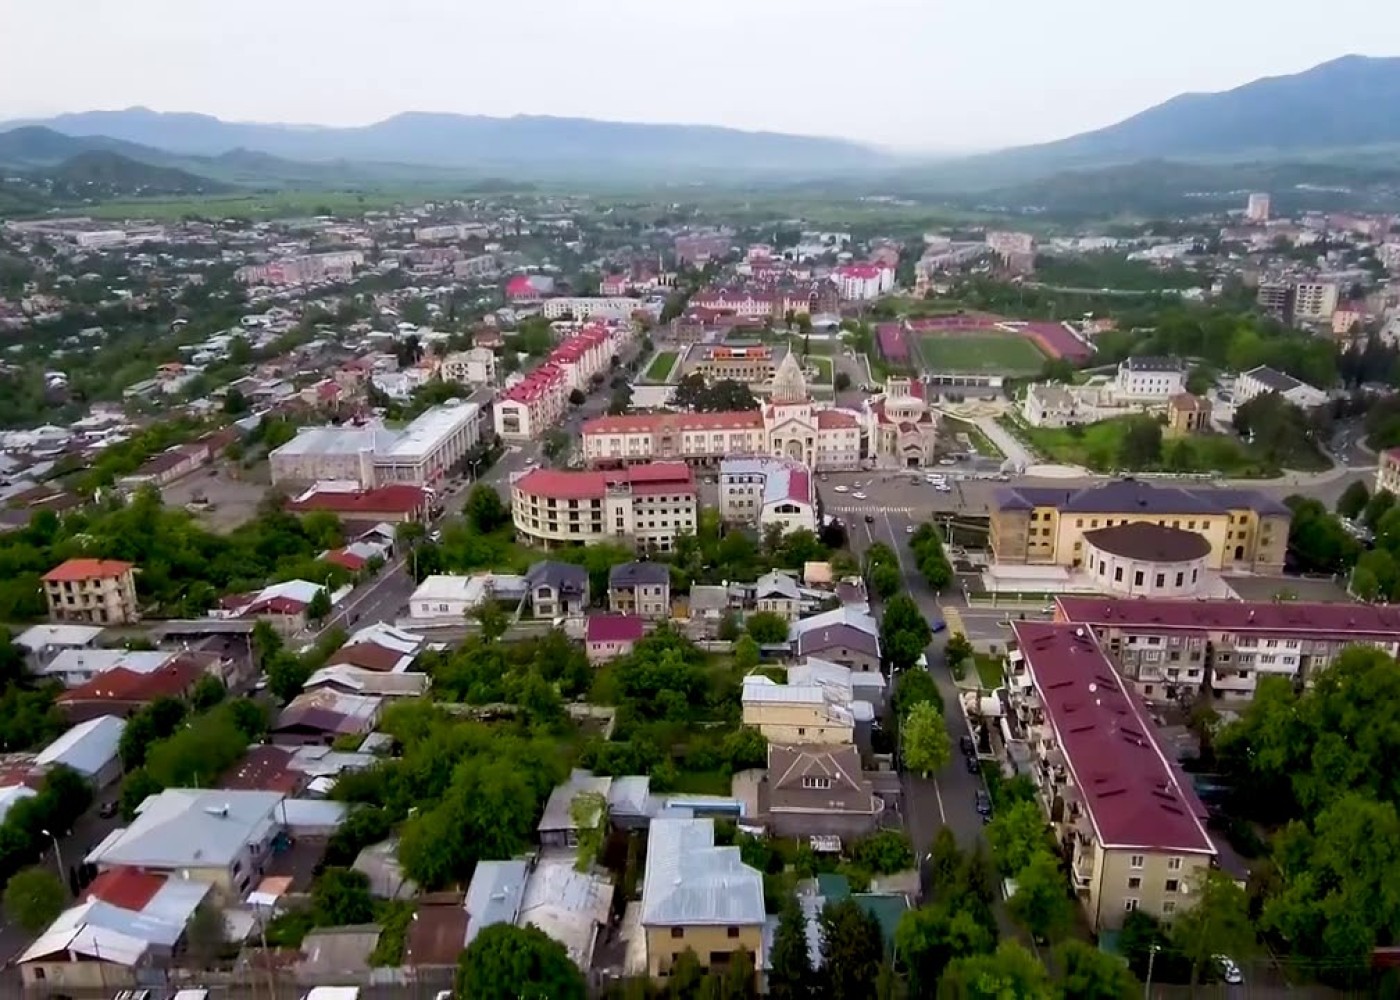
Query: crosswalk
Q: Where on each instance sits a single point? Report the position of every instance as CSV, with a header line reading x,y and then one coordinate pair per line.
x,y
954,619
872,508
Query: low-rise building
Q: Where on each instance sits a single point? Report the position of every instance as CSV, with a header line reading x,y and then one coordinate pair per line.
x,y
557,590
476,366
1142,559
1188,414
323,715
817,790
1049,404
42,643
779,594
640,588
1388,472
1261,380
1133,826
843,635
607,637
393,504
1150,379
905,427
644,505
698,897
768,491
92,591
90,748
796,713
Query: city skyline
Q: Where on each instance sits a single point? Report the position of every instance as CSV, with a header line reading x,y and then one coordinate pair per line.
x,y
947,78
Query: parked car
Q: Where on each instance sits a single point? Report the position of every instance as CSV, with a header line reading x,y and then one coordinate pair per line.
x,y
869,518
974,766
1227,970
969,746
984,803
108,809
937,625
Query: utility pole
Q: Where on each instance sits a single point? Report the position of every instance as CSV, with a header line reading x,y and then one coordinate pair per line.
x,y
1151,958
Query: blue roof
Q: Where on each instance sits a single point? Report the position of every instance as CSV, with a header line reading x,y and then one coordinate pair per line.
x,y
1122,496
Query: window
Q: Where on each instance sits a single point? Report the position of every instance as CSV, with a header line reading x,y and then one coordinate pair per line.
x,y
1169,906
1172,885
1118,574
1137,579
811,781
732,932
1173,864
677,932
1129,905
1135,861
1134,882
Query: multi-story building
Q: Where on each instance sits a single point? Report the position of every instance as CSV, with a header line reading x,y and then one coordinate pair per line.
x,y
1046,525
1257,208
1188,414
698,897
789,426
764,491
614,307
1150,378
1171,649
861,282
336,266
1314,301
472,367
640,588
92,591
1275,298
1388,472
1262,379
796,713
373,455
538,401
752,364
1133,828
647,505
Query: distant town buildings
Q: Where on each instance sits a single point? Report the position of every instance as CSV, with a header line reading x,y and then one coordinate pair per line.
x,y
309,269
1257,208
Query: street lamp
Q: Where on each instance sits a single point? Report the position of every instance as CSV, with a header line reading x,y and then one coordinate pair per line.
x,y
58,854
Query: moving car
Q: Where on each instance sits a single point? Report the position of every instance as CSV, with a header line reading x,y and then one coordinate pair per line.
x,y
859,495
839,489
869,518
1228,971
937,625
908,529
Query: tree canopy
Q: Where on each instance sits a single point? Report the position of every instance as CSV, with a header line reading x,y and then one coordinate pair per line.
x,y
927,746
505,962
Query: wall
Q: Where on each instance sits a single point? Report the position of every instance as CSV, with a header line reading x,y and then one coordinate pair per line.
x,y
662,948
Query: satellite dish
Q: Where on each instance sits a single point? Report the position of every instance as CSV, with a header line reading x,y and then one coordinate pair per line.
x,y
1093,688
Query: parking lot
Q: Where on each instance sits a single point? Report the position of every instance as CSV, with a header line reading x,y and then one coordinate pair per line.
x,y
230,501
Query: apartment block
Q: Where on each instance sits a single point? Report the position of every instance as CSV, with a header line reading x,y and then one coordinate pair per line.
x,y
1132,826
92,591
647,505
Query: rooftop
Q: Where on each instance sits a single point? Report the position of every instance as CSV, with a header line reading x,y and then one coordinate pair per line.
x,y
77,570
87,748
1133,794
397,498
1282,618
1149,542
652,478
689,881
190,827
494,896
1132,496
615,628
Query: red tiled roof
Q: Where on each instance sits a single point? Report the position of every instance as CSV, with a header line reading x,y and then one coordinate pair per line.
x,y
615,628
367,656
399,498
1134,795
263,768
127,888
349,560
76,570
800,486
653,477
832,419
121,684
636,423
1284,618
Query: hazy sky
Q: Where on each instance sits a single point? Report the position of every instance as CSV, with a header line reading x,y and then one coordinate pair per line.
x,y
913,74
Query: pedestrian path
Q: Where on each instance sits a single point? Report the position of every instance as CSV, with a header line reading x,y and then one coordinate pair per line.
x,y
953,616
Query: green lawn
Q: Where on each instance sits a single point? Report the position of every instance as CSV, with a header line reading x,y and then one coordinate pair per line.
x,y
823,367
989,669
953,427
1099,447
661,366
988,352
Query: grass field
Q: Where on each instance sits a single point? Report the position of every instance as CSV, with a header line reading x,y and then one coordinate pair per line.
x,y
989,353
823,367
661,366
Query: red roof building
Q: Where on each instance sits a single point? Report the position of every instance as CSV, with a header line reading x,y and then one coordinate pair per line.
x,y
128,888
396,503
122,691
1136,824
80,570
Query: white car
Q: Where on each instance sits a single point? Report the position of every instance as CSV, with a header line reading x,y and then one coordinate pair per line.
x,y
908,529
840,489
946,461
859,495
943,488
1229,971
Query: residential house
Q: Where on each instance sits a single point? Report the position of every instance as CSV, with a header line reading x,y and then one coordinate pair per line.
x,y
607,637
817,791
1188,414
217,836
797,713
92,591
1132,825
557,827
323,715
90,749
42,643
698,896
379,647
844,685
121,692
778,594
640,588
494,895
844,635
768,491
557,590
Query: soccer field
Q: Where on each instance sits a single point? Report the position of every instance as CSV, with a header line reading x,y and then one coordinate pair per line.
x,y
980,353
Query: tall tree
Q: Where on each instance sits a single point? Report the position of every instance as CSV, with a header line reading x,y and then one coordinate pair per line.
x,y
1040,903
790,974
206,933
1016,834
34,898
904,634
852,950
1352,503
1086,973
928,938
341,896
505,962
1217,921
1009,973
484,509
927,747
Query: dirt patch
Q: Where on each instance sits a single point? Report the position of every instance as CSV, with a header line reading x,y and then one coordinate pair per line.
x,y
229,495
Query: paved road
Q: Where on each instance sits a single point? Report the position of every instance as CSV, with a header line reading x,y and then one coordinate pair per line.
x,y
947,798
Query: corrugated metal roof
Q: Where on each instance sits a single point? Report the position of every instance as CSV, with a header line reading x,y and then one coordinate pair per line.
x,y
494,895
690,881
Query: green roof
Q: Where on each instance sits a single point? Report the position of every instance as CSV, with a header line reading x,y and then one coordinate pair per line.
x,y
833,887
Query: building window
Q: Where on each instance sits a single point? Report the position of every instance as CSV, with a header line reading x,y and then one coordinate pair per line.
x,y
1135,861
1173,864
732,932
1118,574
1172,885
810,781
1129,905
1169,906
1137,579
1134,882
677,932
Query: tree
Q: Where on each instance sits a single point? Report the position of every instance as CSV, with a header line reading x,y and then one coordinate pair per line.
x,y
884,852
1142,443
740,980
1086,973
790,974
841,381
621,400
320,606
958,649
235,403
492,620
1009,973
1352,503
34,898
945,862
885,580
577,397
1017,833
341,896
926,744
686,978
904,634
1040,903
928,938
556,444
286,675
1317,541
484,509
915,687
206,934
505,962
1217,921
767,627
746,653
1377,507
208,692
852,950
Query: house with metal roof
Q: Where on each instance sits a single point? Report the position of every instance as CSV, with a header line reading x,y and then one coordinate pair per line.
x,y
697,896
494,896
640,588
557,589
844,635
90,748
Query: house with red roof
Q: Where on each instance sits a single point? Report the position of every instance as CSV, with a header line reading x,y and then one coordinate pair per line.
x,y
1135,827
121,692
93,592
607,637
768,491
526,289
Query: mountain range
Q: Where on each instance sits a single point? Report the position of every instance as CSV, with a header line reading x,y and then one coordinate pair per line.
x,y
1350,104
